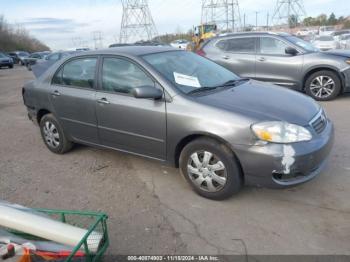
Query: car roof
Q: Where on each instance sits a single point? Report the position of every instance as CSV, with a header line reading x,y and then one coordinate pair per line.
x,y
255,34
130,50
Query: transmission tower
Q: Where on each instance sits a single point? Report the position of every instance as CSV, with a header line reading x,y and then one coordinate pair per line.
x,y
288,10
224,13
137,22
97,37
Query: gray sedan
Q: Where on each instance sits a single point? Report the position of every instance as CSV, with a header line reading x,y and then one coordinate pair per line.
x,y
182,109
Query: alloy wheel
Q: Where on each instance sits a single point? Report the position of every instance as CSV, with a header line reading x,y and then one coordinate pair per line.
x,y
207,171
322,86
51,135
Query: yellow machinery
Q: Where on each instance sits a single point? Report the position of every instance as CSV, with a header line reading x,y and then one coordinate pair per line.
x,y
201,33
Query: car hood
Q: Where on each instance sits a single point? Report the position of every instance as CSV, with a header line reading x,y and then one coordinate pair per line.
x,y
5,59
343,53
264,102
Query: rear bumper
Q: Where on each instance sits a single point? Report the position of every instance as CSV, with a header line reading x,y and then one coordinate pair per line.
x,y
279,166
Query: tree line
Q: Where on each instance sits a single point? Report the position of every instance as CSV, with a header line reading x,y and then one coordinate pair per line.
x,y
17,38
324,20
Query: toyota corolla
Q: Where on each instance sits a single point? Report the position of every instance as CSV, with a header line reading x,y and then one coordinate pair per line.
x,y
174,106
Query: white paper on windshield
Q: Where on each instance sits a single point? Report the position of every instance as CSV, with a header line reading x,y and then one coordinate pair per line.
x,y
186,80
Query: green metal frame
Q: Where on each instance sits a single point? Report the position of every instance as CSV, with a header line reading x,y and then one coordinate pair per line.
x,y
100,220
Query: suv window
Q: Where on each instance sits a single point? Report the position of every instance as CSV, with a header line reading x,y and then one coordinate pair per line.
x,y
238,45
78,73
272,46
121,76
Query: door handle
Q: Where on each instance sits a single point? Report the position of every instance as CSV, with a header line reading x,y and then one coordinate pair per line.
x,y
262,59
226,57
103,101
55,93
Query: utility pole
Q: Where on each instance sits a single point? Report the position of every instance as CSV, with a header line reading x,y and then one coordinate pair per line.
x,y
223,13
286,9
256,21
244,28
137,22
267,21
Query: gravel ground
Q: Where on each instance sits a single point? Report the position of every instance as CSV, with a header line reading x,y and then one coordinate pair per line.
x,y
151,208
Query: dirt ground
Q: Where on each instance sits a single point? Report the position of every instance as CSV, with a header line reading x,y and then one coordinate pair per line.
x,y
151,208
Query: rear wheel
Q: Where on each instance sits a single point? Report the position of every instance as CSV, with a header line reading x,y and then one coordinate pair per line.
x,y
323,85
53,135
211,169
10,66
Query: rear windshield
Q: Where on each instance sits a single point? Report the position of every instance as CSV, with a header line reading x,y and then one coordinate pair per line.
x,y
325,38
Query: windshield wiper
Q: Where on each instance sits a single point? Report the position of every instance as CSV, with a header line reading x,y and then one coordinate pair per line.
x,y
203,89
229,83
234,82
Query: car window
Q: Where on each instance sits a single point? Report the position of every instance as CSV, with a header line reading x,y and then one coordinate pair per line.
x,y
272,46
238,45
53,57
2,55
78,73
121,76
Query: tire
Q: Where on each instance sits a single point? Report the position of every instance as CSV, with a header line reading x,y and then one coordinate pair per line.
x,y
329,92
230,178
53,135
10,66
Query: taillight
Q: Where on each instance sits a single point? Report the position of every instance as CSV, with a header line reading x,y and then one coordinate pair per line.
x,y
201,52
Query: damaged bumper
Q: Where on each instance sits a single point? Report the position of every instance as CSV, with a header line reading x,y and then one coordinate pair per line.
x,y
278,165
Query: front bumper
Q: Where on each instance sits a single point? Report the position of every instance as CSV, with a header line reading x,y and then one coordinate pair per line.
x,y
6,64
346,78
279,166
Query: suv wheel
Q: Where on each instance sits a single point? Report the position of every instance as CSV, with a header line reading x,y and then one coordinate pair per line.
x,y
211,169
53,135
323,85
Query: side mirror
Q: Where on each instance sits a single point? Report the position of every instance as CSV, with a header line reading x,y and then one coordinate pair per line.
x,y
147,92
291,51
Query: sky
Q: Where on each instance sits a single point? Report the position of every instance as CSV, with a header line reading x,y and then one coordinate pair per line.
x,y
65,24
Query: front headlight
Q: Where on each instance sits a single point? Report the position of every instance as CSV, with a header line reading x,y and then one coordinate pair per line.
x,y
281,132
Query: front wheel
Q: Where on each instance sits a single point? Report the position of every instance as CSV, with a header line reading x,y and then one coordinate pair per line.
x,y
53,135
323,85
211,169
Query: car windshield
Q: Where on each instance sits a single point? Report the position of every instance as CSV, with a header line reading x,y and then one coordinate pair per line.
x,y
2,55
302,43
188,71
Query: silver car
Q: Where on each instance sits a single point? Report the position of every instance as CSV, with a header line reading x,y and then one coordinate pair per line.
x,y
284,60
185,110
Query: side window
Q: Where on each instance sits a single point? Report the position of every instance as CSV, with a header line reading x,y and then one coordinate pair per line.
x,y
53,57
272,46
77,73
121,76
238,45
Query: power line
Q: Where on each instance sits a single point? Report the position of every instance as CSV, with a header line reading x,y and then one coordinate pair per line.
x,y
137,22
97,37
224,13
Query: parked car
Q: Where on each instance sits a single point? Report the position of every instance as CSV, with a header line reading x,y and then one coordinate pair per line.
x,y
326,30
181,44
325,43
19,57
42,65
5,61
344,41
284,60
34,58
180,108
337,34
304,32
